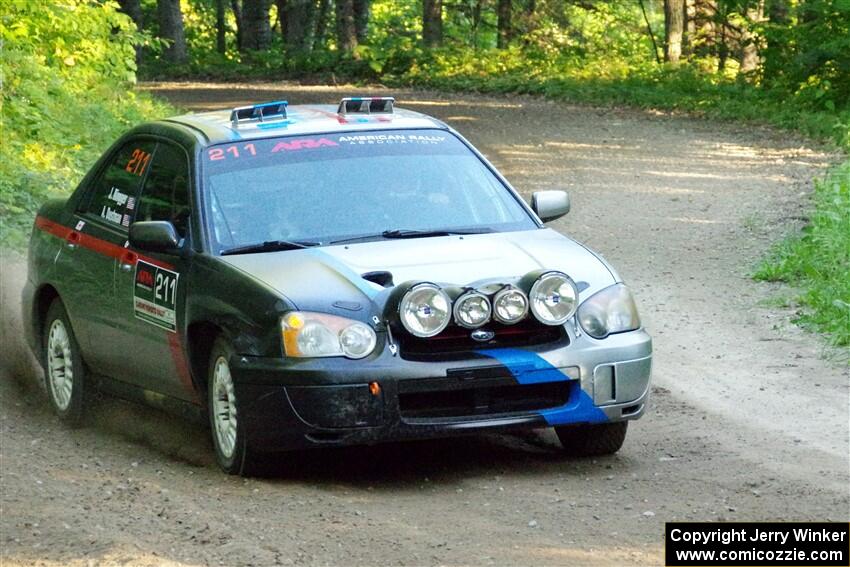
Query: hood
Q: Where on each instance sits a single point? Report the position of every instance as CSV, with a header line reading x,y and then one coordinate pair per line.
x,y
328,279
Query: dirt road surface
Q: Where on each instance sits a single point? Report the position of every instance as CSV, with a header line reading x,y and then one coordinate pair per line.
x,y
749,417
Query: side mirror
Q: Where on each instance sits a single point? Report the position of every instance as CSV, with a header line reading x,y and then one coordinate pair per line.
x,y
550,205
154,236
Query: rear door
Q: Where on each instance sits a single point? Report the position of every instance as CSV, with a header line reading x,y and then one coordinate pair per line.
x,y
88,259
150,287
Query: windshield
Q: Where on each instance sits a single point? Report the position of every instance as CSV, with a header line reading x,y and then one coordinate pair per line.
x,y
330,187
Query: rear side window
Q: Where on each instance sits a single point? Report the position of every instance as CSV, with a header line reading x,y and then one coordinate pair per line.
x,y
165,196
113,197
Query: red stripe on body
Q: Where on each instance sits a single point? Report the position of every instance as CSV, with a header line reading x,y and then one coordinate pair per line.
x,y
111,250
181,364
98,245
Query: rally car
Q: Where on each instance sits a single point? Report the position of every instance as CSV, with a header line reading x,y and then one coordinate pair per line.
x,y
307,276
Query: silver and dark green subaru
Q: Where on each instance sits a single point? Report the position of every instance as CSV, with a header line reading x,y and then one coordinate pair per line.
x,y
318,275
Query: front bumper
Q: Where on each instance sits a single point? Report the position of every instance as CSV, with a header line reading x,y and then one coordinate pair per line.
x,y
291,403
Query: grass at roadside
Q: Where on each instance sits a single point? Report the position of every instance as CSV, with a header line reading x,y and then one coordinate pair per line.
x,y
818,260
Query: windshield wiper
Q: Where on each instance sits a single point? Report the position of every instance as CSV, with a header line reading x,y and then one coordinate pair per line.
x,y
398,233
269,246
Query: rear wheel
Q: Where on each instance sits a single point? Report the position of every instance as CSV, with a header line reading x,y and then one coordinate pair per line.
x,y
63,366
228,435
592,440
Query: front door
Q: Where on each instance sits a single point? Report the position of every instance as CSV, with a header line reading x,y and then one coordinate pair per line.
x,y
89,255
150,288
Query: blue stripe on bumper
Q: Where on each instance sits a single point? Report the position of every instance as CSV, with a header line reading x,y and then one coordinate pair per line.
x,y
529,368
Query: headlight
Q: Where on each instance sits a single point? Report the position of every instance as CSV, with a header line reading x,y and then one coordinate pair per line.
x,y
612,310
309,335
510,305
553,298
472,309
425,310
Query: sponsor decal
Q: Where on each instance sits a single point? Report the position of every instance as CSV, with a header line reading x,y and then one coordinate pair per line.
x,y
366,139
80,225
154,295
110,214
295,145
118,196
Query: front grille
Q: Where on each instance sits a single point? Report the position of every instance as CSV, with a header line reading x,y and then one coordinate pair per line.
x,y
455,340
478,401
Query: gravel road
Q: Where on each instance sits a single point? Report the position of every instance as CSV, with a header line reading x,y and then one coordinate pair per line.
x,y
750,417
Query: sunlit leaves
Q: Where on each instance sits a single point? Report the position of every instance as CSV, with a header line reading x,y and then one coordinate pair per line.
x,y
66,70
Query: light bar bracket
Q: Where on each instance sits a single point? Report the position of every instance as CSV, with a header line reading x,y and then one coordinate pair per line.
x,y
259,112
366,105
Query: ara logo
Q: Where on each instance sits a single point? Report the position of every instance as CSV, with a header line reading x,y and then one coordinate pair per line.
x,y
303,144
144,278
482,335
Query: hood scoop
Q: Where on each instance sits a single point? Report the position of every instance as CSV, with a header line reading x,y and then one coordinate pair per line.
x,y
381,277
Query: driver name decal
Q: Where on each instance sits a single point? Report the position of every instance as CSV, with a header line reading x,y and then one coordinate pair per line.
x,y
154,295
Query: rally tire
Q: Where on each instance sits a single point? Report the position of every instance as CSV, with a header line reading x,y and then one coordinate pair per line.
x,y
226,427
64,372
592,440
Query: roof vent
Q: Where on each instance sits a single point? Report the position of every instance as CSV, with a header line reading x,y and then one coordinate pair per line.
x,y
366,105
259,112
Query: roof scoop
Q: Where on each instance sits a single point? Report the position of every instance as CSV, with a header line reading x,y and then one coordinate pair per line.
x,y
380,277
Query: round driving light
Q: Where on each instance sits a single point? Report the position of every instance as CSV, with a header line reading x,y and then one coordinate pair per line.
x,y
425,310
357,340
510,306
553,298
472,310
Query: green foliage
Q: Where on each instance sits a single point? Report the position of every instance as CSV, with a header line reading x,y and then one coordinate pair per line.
x,y
810,54
66,71
818,261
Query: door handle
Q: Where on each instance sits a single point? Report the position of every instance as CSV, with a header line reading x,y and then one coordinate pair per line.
x,y
73,240
128,260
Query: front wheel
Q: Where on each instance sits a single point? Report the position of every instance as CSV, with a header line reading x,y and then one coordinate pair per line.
x,y
64,372
228,435
592,440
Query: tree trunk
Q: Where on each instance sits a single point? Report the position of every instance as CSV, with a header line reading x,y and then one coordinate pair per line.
x,y
476,22
675,12
361,19
702,27
296,23
649,32
321,23
220,30
133,8
256,26
346,34
432,22
503,25
690,28
778,12
171,28
237,15
750,58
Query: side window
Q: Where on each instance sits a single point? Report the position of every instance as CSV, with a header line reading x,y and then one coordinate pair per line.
x,y
113,196
165,195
